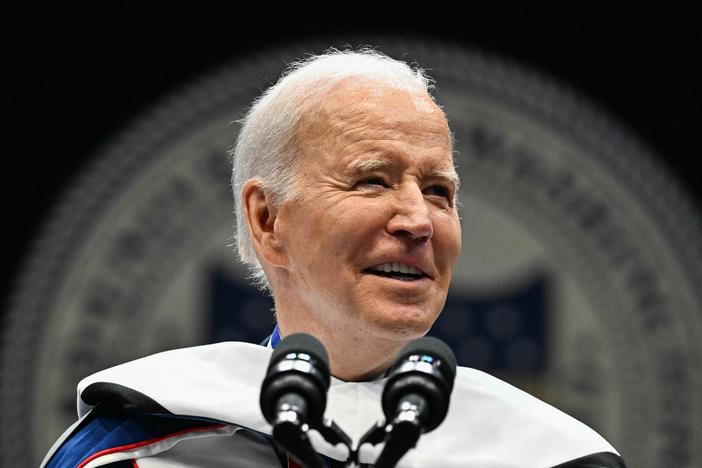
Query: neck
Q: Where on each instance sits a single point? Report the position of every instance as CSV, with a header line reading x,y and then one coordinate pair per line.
x,y
354,356
357,351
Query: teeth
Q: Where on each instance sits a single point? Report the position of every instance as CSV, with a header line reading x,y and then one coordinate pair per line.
x,y
396,268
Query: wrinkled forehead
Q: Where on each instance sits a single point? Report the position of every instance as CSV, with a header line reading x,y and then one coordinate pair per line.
x,y
365,92
354,103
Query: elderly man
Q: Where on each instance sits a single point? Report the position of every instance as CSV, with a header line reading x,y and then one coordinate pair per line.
x,y
345,194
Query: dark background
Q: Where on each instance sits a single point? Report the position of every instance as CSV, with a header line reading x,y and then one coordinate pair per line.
x,y
74,77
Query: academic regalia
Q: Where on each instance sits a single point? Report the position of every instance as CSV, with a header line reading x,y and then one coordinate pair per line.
x,y
200,407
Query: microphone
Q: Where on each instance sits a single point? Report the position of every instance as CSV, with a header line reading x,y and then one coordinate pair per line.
x,y
294,394
415,397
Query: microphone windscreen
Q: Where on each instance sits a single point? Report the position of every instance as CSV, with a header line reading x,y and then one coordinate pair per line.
x,y
431,346
301,343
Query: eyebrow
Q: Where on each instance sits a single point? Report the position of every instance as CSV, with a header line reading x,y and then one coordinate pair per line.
x,y
451,176
368,165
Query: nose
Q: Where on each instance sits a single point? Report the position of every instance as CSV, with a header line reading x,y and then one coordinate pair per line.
x,y
411,216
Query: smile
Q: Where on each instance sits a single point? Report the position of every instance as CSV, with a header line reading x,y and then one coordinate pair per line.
x,y
397,271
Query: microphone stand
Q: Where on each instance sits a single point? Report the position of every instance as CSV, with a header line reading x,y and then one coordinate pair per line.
x,y
291,434
399,438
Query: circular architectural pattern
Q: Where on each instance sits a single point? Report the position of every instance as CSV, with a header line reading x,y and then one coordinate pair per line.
x,y
580,279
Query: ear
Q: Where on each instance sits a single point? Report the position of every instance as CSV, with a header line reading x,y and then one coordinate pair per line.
x,y
261,215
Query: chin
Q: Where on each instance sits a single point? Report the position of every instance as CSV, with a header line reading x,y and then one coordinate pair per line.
x,y
405,324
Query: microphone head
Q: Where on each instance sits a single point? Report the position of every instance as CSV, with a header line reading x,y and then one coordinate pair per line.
x,y
301,343
434,351
299,365
426,367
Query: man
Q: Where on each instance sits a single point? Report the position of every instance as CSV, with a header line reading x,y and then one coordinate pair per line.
x,y
345,193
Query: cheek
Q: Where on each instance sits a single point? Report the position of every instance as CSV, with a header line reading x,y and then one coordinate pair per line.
x,y
447,234
355,222
329,237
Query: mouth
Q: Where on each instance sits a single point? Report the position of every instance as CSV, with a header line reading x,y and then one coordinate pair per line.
x,y
397,271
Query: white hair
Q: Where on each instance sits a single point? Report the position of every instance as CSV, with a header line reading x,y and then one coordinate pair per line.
x,y
266,148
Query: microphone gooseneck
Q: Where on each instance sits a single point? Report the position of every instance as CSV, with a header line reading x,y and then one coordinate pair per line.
x,y
294,394
415,398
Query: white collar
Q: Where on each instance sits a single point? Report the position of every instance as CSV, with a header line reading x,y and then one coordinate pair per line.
x,y
490,423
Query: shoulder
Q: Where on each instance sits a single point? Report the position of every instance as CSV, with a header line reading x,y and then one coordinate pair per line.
x,y
111,433
491,418
486,396
170,396
186,381
114,436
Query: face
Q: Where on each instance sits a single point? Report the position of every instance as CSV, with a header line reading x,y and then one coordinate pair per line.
x,y
372,238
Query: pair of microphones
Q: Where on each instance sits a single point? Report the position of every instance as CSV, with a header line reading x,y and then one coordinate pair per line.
x,y
415,399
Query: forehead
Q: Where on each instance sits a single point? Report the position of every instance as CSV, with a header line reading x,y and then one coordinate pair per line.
x,y
357,119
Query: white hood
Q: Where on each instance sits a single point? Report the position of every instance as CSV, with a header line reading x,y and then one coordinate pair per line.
x,y
490,423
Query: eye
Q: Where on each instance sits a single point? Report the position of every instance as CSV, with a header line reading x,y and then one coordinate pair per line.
x,y
441,194
373,181
439,191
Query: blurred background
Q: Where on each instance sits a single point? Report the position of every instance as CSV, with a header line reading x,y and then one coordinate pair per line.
x,y
117,121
